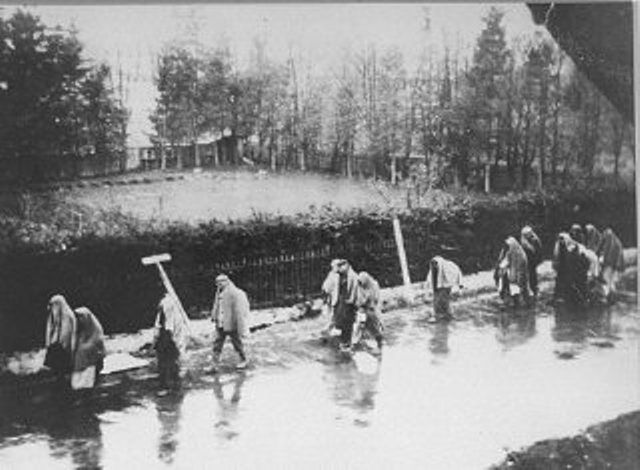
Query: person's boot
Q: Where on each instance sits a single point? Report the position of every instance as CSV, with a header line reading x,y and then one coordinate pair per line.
x,y
242,364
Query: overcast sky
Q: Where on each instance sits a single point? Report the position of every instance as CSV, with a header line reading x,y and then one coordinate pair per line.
x,y
133,34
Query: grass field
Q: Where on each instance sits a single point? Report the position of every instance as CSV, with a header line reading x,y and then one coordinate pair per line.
x,y
226,195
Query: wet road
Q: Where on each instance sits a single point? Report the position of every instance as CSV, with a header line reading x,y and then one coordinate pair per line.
x,y
443,396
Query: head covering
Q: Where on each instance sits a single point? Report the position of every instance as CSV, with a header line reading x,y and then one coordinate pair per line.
x,y
222,277
563,240
531,244
368,291
514,261
592,238
447,274
90,340
61,324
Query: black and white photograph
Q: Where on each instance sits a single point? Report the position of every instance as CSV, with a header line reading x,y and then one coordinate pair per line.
x,y
350,235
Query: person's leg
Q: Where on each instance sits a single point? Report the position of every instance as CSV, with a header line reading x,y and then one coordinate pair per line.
x,y
374,326
218,342
236,340
441,308
446,299
533,279
347,327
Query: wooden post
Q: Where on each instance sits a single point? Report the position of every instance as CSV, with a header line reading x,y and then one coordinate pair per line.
x,y
393,170
487,178
397,232
539,178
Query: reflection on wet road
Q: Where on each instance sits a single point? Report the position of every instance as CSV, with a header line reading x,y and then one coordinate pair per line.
x,y
443,396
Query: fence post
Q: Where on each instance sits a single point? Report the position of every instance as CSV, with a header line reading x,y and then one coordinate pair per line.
x,y
397,232
487,178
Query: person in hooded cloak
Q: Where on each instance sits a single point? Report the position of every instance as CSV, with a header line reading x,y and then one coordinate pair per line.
x,y
230,314
444,276
576,233
171,333
346,303
89,354
369,306
512,272
532,247
60,336
611,256
592,238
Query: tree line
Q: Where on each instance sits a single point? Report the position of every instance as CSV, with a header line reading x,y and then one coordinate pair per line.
x,y
521,105
53,102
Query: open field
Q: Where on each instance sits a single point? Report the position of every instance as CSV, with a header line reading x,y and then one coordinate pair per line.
x,y
193,197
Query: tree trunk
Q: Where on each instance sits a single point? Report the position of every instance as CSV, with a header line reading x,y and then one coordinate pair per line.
x,y
618,137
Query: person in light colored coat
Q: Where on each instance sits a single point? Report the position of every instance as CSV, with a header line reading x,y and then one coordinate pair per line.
x,y
89,354
230,314
512,272
444,276
611,255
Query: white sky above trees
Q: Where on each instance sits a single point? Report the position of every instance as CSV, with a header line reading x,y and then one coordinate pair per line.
x,y
132,35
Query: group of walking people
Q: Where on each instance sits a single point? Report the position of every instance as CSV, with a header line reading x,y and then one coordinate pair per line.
x,y
75,344
353,304
587,263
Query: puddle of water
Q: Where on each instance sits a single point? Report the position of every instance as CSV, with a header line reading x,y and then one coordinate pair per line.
x,y
443,396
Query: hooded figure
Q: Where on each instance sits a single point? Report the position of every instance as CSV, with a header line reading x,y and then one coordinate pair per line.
x,y
330,294
369,306
532,247
572,265
611,255
559,263
576,233
592,238
512,272
230,314
443,277
344,300
60,335
171,319
170,338
88,357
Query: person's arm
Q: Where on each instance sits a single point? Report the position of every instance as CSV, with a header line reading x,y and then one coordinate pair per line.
x,y
74,332
49,330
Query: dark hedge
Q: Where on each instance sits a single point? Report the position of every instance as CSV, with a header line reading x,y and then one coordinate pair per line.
x,y
102,269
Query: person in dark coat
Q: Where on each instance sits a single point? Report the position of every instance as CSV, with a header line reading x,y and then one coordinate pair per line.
x,y
572,270
60,333
532,247
559,264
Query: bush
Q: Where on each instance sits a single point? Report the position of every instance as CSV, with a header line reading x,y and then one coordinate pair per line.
x,y
99,266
